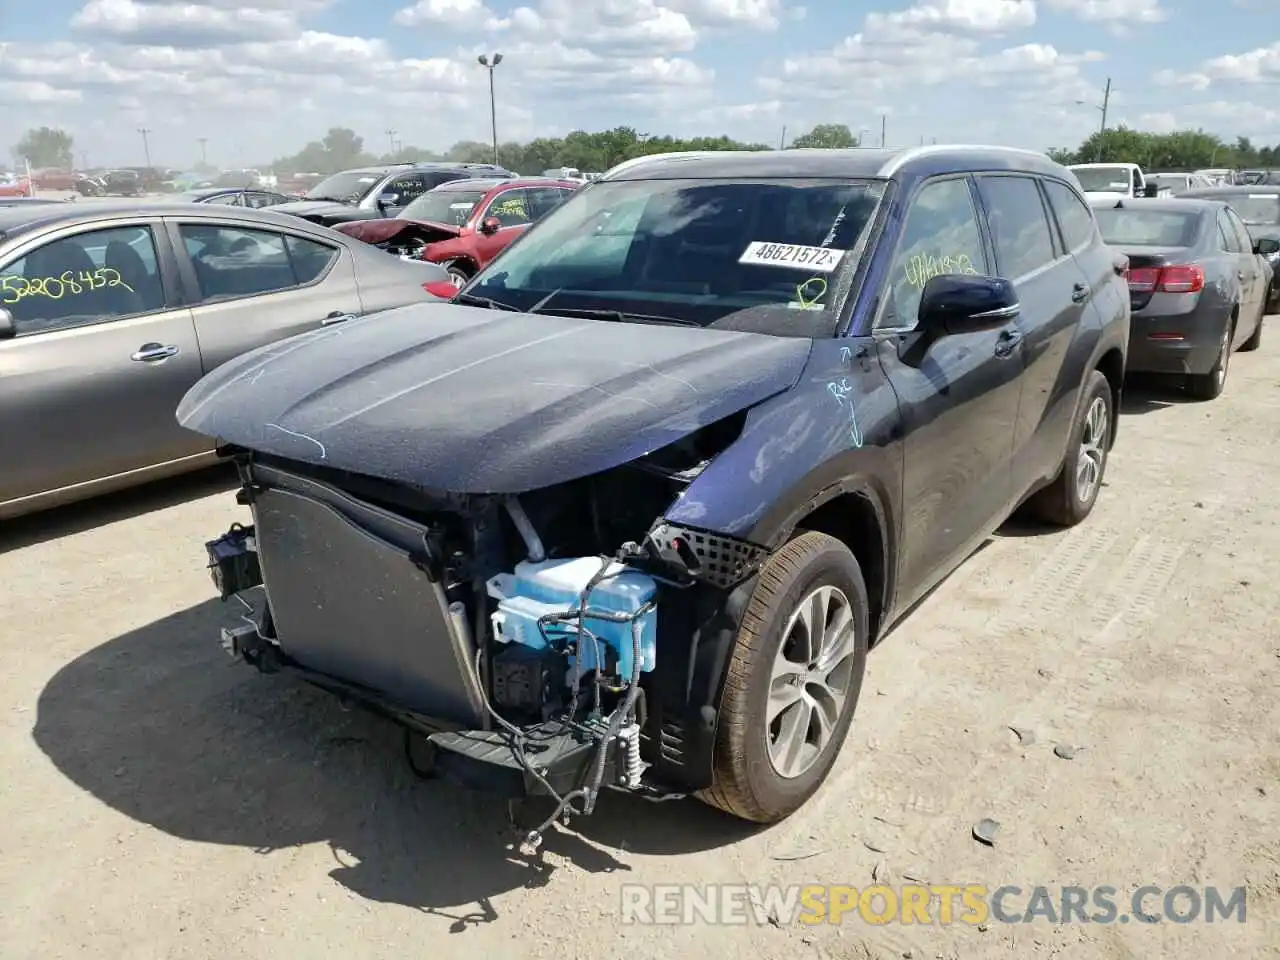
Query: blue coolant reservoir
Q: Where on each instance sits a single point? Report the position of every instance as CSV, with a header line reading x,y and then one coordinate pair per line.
x,y
536,590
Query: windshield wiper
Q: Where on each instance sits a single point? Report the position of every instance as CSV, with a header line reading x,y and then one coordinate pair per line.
x,y
471,299
618,316
326,199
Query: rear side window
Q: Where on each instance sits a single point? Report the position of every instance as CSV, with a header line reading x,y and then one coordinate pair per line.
x,y
1241,231
1231,240
230,262
1074,217
1018,224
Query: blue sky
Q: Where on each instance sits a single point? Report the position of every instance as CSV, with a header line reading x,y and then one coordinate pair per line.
x,y
258,78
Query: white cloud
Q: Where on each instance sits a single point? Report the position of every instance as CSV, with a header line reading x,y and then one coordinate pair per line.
x,y
259,78
1229,118
1111,11
459,14
982,16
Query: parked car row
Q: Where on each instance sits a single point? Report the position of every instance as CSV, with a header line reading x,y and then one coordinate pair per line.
x,y
626,506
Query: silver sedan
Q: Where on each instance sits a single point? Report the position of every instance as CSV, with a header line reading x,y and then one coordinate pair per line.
x,y
109,312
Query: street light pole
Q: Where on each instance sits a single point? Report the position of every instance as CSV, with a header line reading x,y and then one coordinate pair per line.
x,y
146,145
491,64
204,155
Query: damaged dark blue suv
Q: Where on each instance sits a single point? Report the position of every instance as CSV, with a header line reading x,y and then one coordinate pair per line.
x,y
628,512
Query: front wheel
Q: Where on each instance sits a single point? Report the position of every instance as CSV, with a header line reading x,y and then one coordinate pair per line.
x,y
1070,498
458,273
792,682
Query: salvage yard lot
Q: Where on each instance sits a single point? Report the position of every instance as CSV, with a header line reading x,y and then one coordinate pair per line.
x,y
166,802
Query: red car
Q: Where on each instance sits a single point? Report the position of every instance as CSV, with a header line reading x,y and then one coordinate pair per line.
x,y
464,224
15,188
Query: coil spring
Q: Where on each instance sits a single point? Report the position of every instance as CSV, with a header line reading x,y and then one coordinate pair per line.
x,y
630,736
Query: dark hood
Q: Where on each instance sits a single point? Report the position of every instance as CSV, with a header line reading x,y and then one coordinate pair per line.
x,y
481,401
324,209
387,229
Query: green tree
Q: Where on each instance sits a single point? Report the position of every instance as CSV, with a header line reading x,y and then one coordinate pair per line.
x,y
585,150
826,135
46,147
341,149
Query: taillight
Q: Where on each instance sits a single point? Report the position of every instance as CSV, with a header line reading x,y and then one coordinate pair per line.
x,y
1170,279
1143,279
1188,279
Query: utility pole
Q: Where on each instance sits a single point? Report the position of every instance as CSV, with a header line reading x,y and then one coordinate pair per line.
x,y
491,65
204,154
146,145
391,137
782,140
884,123
1106,102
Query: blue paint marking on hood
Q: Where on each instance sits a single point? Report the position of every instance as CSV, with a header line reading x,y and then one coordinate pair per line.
x,y
481,401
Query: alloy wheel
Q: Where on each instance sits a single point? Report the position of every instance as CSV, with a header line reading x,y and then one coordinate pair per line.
x,y
1093,450
810,680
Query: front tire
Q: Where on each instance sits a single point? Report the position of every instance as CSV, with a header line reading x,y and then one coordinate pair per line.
x,y
792,682
1070,498
458,273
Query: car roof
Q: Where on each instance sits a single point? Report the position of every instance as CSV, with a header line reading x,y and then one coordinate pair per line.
x,y
1183,204
22,219
490,183
1236,191
852,162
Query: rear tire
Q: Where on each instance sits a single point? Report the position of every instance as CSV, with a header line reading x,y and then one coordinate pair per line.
x,y
1209,386
767,706
1070,498
1255,338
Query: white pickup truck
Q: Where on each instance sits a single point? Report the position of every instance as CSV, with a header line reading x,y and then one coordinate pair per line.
x,y
1104,181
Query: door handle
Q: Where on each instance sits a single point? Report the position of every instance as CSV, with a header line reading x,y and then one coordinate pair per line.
x,y
151,352
1080,293
1006,342
336,317
1239,274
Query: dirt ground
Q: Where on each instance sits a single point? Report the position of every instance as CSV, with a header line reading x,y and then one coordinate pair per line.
x,y
160,801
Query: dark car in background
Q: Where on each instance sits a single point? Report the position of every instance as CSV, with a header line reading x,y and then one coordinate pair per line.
x,y
251,197
1259,207
369,193
464,224
109,312
1197,286
629,510
122,183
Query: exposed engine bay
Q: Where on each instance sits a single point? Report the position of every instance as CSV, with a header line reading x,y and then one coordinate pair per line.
x,y
402,238
538,641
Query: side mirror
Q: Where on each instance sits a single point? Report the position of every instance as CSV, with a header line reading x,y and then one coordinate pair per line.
x,y
389,199
1267,247
8,329
1151,190
490,225
959,303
